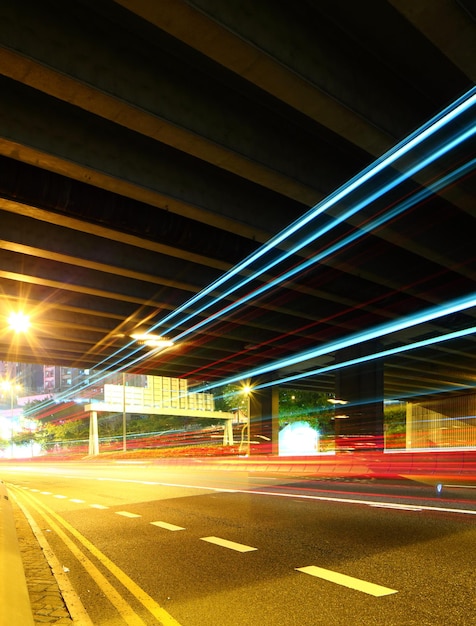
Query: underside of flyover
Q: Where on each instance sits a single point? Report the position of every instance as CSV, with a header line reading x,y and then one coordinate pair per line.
x,y
148,148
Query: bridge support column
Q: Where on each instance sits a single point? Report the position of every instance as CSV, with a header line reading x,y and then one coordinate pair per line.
x,y
264,412
93,434
228,433
361,387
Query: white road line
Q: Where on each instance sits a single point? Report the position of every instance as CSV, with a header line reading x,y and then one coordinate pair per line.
x,y
127,514
347,581
277,494
46,493
400,507
98,506
77,500
460,486
58,495
239,547
257,492
167,526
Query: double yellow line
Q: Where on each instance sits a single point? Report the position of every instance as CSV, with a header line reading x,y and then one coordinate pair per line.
x,y
61,527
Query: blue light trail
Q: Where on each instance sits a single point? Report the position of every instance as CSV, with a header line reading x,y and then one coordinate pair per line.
x,y
370,357
365,229
440,121
319,209
404,323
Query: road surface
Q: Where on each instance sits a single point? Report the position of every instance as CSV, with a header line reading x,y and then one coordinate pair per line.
x,y
153,544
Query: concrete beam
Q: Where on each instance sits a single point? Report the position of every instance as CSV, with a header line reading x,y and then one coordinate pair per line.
x,y
221,127
448,26
103,407
228,34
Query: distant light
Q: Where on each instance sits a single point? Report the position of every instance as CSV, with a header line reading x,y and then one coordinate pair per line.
x,y
298,439
9,385
152,341
341,417
19,322
336,401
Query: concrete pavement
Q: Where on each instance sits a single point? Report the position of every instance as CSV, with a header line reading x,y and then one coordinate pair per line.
x,y
14,598
46,599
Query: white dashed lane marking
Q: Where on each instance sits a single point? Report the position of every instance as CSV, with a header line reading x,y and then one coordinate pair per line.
x,y
225,543
312,570
167,526
347,581
127,514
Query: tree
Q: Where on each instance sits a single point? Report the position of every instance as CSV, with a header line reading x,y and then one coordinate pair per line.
x,y
294,405
395,417
231,398
26,437
309,406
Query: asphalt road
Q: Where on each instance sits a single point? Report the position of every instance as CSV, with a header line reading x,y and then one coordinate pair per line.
x,y
148,544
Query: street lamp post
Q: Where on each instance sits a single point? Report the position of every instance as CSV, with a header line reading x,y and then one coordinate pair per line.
x,y
19,323
247,391
248,410
10,387
124,416
11,419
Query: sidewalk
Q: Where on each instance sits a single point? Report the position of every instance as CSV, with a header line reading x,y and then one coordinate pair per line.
x,y
47,604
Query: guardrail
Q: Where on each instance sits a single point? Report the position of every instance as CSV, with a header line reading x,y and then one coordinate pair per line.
x,y
14,597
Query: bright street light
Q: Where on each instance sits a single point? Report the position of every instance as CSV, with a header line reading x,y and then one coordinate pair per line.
x,y
18,322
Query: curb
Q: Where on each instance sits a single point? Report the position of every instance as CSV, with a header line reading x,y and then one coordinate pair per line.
x,y
14,596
